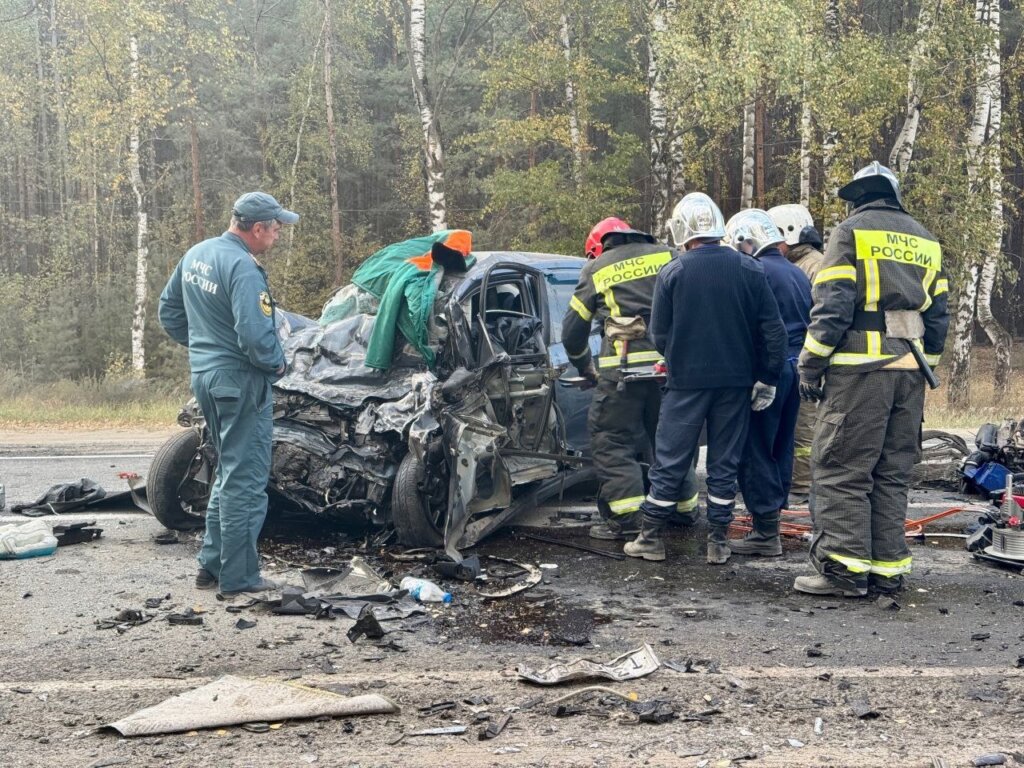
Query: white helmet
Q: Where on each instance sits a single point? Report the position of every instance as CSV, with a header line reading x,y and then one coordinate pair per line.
x,y
791,219
696,216
752,231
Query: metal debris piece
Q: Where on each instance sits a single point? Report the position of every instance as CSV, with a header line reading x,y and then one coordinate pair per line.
x,y
862,709
572,545
244,624
628,666
981,636
257,727
232,700
654,711
76,533
468,569
154,602
366,625
494,728
124,620
476,701
532,580
996,758
326,666
437,706
452,730
188,617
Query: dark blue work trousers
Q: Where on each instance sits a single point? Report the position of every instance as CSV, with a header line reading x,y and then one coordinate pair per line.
x,y
683,414
767,467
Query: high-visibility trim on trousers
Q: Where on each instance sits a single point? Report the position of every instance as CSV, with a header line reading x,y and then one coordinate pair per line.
x,y
720,501
688,505
891,568
625,506
853,564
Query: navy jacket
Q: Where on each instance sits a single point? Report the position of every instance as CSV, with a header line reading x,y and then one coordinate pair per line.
x,y
716,321
792,291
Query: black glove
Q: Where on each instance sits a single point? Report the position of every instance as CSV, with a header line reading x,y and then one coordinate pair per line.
x,y
590,374
811,391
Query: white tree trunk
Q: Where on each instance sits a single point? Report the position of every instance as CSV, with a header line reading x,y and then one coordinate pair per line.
x,y
141,218
747,183
984,172
903,148
433,149
332,145
830,137
806,137
575,138
666,144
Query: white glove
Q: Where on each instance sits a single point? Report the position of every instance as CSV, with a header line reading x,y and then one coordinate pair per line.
x,y
762,396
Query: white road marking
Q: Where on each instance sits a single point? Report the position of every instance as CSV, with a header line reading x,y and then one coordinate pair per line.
x,y
76,517
80,456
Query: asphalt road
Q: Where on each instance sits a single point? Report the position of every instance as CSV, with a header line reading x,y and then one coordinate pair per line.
x,y
940,669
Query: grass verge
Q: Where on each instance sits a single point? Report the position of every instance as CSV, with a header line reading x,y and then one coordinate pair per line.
x,y
89,404
985,406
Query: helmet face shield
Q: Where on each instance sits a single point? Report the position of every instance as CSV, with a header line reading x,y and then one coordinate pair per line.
x,y
752,231
696,217
791,220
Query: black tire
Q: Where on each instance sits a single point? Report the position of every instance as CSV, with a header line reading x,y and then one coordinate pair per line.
x,y
410,510
177,500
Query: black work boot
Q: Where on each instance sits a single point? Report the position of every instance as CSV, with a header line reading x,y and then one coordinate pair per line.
x,y
685,519
763,540
617,528
718,545
820,584
205,579
648,544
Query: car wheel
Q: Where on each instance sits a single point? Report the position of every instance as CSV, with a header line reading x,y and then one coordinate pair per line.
x,y
177,498
417,513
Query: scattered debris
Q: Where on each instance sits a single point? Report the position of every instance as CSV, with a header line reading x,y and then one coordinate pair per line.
x,y
167,537
154,602
437,706
494,728
189,617
106,762
996,758
795,743
819,726
981,636
33,538
534,577
62,498
366,625
654,711
637,663
244,624
76,533
862,709
125,620
467,569
232,700
572,545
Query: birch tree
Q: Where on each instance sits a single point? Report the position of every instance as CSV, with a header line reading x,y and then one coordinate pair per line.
x,y
984,169
747,182
575,136
667,178
903,148
141,216
332,144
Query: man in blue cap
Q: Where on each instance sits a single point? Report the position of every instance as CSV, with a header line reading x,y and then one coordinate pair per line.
x,y
218,304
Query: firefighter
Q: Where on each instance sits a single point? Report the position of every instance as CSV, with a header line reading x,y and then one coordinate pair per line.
x,y
802,247
615,290
879,322
717,325
767,464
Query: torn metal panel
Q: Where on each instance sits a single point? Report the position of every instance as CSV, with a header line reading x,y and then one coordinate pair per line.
x,y
637,663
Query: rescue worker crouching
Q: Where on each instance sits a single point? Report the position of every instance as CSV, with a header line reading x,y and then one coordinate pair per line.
x,y
614,291
716,323
802,247
767,465
879,321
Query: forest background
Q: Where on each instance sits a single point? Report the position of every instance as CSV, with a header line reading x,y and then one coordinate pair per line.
x,y
129,127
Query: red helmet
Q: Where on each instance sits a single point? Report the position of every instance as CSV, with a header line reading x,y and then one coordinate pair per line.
x,y
604,227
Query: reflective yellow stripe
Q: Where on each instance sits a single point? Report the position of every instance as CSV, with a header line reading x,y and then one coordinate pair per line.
x,y
836,273
689,505
880,245
926,283
816,347
853,564
633,358
932,360
872,286
581,309
802,450
874,343
630,269
890,568
854,358
941,286
625,506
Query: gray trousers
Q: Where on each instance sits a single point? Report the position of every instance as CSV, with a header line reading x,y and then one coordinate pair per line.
x,y
803,440
866,443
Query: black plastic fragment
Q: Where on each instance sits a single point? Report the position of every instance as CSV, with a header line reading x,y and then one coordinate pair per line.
x,y
494,728
366,625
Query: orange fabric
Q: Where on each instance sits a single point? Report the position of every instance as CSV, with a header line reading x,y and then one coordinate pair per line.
x,y
424,262
460,240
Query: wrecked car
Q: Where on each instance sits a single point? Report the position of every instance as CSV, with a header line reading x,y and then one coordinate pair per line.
x,y
463,428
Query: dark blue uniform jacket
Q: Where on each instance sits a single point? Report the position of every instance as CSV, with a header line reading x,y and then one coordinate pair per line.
x,y
792,291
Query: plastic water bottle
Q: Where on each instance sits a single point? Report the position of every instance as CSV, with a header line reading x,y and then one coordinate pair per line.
x,y
425,591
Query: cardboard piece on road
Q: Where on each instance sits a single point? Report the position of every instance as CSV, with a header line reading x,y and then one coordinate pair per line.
x,y
628,666
232,700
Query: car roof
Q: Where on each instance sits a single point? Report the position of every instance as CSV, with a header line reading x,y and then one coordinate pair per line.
x,y
542,261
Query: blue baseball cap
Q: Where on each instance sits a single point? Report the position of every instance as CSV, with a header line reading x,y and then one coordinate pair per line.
x,y
259,206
